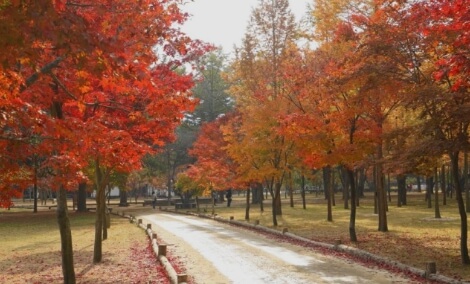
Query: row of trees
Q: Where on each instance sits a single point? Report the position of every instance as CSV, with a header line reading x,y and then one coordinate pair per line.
x,y
86,90
369,84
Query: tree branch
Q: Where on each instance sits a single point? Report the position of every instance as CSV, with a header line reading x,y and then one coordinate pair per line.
x,y
46,69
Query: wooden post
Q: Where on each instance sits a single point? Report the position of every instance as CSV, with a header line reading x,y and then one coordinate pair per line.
x,y
139,221
430,268
154,235
181,278
231,218
149,226
162,250
285,230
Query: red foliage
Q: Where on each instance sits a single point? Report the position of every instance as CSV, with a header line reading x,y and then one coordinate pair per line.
x,y
213,162
82,81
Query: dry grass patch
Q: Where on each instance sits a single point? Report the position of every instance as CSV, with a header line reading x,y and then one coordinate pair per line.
x,y
30,250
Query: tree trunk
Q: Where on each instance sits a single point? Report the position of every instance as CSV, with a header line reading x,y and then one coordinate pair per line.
x,y
401,190
352,216
332,188
82,197
454,157
276,203
437,212
106,221
376,198
381,196
329,191
465,181
123,198
302,192
65,237
247,209
443,185
451,178
291,191
429,189
361,182
100,210
345,182
35,189
68,269
389,190
261,196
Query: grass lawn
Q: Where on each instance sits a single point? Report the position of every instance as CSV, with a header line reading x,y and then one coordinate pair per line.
x,y
30,250
414,237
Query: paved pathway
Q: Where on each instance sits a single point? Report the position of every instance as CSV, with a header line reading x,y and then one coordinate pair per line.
x,y
215,252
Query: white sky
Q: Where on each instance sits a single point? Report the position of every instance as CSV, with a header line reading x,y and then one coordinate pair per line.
x,y
223,22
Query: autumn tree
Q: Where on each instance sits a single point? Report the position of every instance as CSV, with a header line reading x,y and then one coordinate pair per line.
x,y
258,92
93,69
441,95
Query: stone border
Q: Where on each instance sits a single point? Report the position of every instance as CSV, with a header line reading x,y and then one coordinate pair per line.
x,y
158,249
429,273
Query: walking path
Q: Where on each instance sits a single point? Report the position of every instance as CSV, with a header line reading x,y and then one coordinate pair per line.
x,y
214,252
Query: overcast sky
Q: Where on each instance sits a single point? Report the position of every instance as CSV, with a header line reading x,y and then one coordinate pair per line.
x,y
223,22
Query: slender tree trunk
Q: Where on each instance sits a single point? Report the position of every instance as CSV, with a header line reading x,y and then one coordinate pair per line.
x,y
346,182
418,180
443,185
123,198
329,192
276,203
381,196
247,209
333,188
454,157
465,181
401,190
451,178
261,196
100,210
82,197
361,182
302,192
277,191
65,237
389,190
277,195
291,191
352,216
429,189
376,195
35,188
106,220
68,269
437,212
255,195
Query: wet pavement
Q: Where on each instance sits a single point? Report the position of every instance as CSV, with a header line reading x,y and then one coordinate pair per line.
x,y
214,252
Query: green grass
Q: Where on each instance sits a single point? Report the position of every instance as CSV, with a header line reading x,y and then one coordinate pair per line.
x,y
414,237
